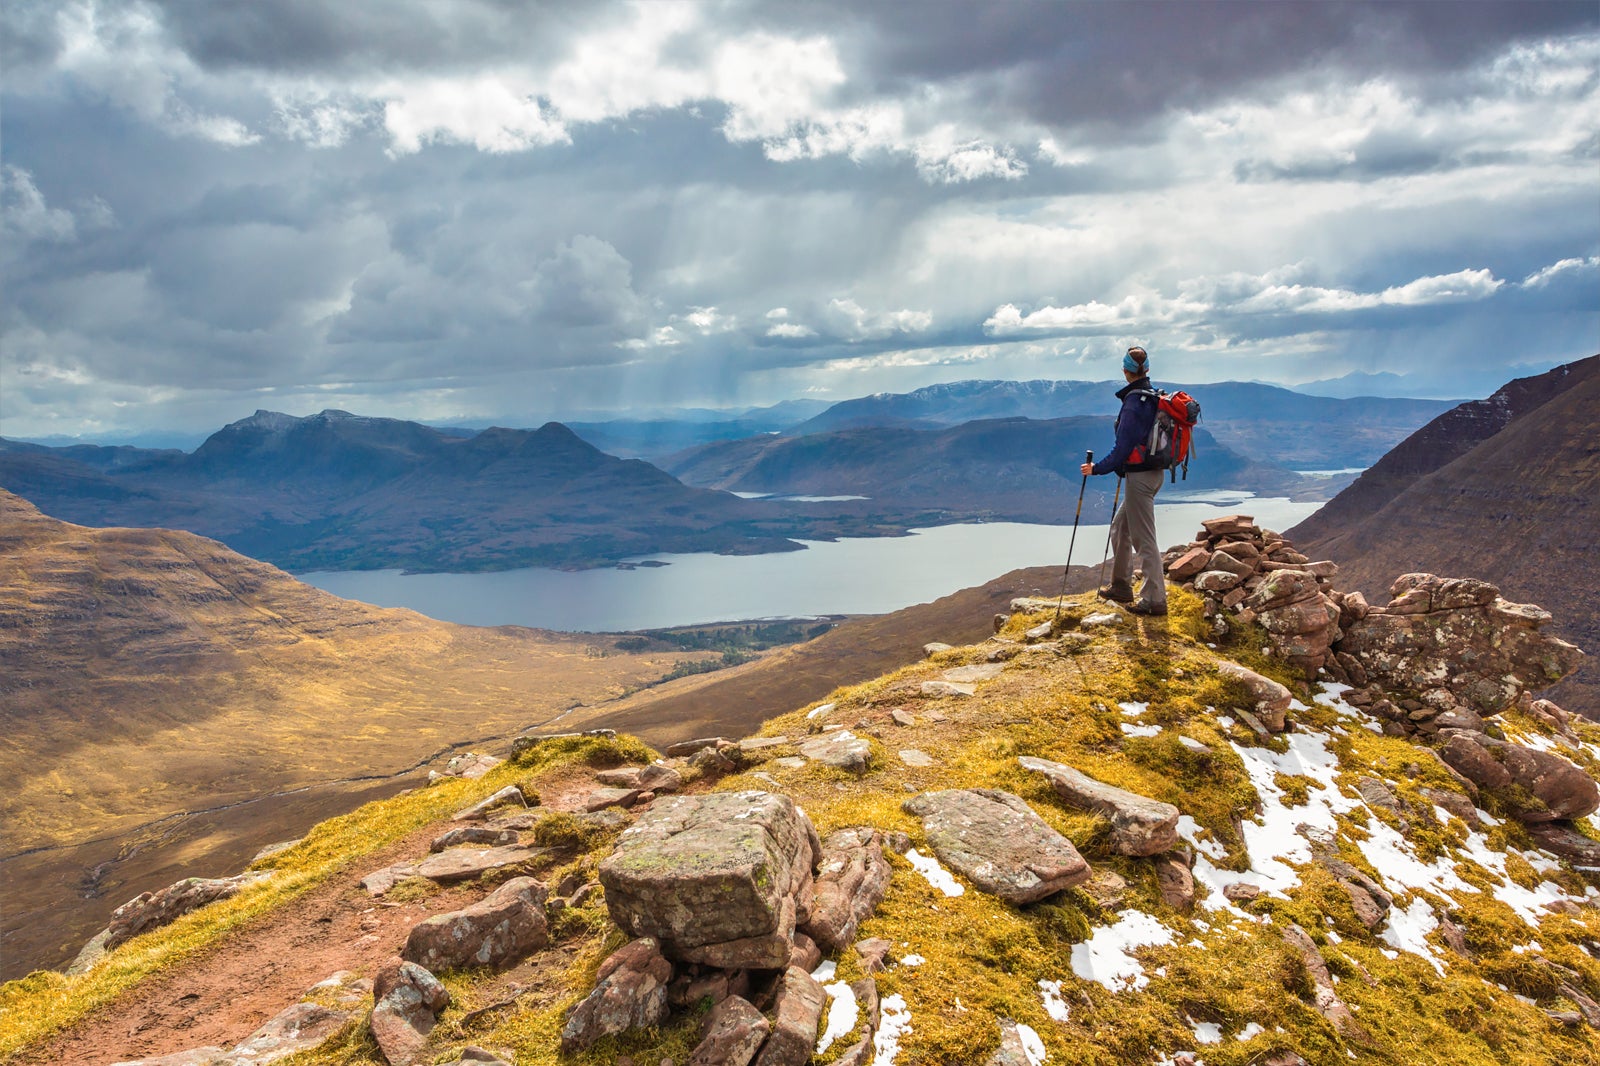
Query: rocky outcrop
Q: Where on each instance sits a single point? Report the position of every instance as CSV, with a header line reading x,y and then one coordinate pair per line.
x,y
716,878
1139,825
630,992
841,749
510,796
407,1001
1324,996
798,1009
152,910
1271,699
1455,643
1539,786
497,930
998,843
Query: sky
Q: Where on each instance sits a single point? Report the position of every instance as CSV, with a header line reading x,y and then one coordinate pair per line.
x,y
470,210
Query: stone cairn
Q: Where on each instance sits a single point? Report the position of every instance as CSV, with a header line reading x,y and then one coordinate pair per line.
x,y
1437,663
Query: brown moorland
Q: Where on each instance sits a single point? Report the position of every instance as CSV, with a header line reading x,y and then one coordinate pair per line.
x,y
169,706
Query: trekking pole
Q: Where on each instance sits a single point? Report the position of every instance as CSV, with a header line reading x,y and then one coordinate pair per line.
x,y
1115,498
1088,457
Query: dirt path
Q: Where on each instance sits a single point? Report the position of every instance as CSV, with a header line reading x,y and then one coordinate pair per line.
x,y
222,994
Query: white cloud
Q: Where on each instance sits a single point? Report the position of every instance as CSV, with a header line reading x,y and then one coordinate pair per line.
x,y
790,331
26,215
491,112
854,322
778,313
1540,278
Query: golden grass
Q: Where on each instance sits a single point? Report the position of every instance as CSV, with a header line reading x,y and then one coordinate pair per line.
x,y
985,959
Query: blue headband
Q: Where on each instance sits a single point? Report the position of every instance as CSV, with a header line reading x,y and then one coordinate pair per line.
x,y
1132,365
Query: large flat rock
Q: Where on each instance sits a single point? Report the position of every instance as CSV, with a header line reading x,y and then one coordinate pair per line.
x,y
1139,825
998,843
709,869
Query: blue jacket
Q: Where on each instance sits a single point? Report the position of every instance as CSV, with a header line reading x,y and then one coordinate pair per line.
x,y
1134,422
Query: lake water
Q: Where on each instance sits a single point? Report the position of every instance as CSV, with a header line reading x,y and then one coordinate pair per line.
x,y
854,576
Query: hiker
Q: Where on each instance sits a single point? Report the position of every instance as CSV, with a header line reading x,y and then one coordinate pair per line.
x,y
1133,530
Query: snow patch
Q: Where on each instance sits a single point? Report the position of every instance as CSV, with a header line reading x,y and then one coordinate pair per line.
x,y
894,1023
820,710
1191,743
1133,730
1206,1032
843,1013
1106,956
1032,1046
1251,1030
1133,710
1054,1005
934,874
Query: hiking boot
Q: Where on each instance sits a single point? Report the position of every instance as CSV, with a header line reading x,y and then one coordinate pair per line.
x,y
1119,593
1154,610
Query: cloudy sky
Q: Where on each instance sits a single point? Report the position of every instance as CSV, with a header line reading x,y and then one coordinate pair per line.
x,y
486,209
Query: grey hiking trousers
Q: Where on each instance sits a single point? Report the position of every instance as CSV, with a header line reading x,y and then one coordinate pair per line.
x,y
1133,534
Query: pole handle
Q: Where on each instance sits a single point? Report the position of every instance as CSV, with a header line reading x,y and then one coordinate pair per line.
x,y
1088,456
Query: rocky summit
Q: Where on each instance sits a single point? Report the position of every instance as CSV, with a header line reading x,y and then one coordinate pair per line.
x,y
1280,825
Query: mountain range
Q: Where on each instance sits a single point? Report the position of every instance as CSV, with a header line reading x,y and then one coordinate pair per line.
x,y
1506,488
1267,423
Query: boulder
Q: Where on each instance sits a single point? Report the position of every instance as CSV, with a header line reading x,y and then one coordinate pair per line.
x,y
630,992
1280,588
998,843
1559,838
656,777
1221,560
1457,634
600,798
733,1033
152,910
1139,825
796,1014
406,1001
710,869
841,749
1271,699
850,883
1175,881
1216,581
501,928
1229,526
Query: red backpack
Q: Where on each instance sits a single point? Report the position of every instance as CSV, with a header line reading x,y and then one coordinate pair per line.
x,y
1172,433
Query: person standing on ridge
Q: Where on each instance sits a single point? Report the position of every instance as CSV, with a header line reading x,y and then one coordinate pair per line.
x,y
1133,530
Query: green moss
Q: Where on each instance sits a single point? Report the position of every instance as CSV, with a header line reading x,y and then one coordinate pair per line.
x,y
412,889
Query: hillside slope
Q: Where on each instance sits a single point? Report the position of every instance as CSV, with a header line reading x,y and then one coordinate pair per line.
x,y
152,680
1332,894
1519,506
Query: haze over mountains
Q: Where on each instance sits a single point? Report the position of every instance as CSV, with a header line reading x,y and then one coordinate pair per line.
x,y
1506,489
342,491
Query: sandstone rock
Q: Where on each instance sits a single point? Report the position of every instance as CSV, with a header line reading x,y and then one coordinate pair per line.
x,y
794,1030
1106,887
850,883
464,864
601,798
1559,838
975,672
200,1056
1367,910
1443,632
511,795
472,1055
996,840
708,869
1233,525
630,992
939,689
1189,564
1216,581
294,1029
1241,891
1562,790
686,748
1281,588
1175,881
407,1000
872,952
901,718
936,647
749,744
915,758
470,765
711,761
501,928
1271,699
842,750
734,1031
806,954
1221,560
1245,550
472,834
152,910
1454,803
1325,998
1139,825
